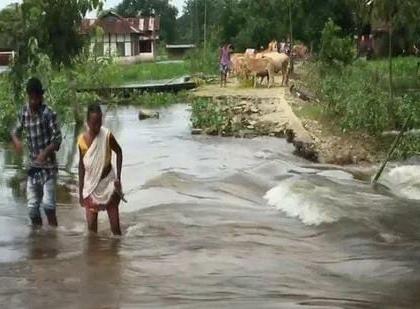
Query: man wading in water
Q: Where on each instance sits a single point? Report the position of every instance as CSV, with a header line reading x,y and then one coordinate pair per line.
x,y
39,123
99,185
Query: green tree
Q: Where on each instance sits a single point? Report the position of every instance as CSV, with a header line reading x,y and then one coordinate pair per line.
x,y
361,14
387,11
198,12
53,24
335,48
161,8
310,16
56,26
11,26
393,13
250,23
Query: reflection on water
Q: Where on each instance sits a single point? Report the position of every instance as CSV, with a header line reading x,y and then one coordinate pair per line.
x,y
101,271
214,222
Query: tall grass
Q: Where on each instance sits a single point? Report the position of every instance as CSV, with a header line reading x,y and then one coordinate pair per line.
x,y
405,73
61,87
8,110
211,116
152,100
149,71
116,74
204,61
356,98
357,95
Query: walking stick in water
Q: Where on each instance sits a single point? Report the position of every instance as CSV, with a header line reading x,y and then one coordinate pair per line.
x,y
391,150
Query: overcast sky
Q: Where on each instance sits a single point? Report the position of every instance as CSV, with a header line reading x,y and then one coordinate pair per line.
x,y
108,4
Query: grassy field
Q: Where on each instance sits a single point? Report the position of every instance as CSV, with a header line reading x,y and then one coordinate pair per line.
x,y
355,98
197,61
406,77
358,94
62,95
152,100
62,85
92,74
149,71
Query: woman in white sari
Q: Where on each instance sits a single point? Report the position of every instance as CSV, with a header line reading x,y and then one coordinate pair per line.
x,y
99,185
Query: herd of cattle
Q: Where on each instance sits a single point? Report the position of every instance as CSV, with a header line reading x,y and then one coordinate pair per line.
x,y
267,63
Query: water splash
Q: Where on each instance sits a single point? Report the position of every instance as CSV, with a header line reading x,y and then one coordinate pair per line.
x,y
404,181
299,200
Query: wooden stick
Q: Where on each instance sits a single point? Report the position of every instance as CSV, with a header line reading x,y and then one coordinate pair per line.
x,y
121,196
391,150
415,132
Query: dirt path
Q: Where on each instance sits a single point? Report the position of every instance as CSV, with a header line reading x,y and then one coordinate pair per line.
x,y
266,108
234,90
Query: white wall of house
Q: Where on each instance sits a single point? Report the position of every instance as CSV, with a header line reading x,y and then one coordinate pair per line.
x,y
113,48
128,49
114,43
91,46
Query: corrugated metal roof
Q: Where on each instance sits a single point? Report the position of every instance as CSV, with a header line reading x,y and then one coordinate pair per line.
x,y
111,22
118,26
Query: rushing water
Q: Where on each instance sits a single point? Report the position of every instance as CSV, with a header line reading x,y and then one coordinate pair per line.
x,y
214,223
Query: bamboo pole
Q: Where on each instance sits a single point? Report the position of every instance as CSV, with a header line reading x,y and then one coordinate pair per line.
x,y
390,152
205,27
291,37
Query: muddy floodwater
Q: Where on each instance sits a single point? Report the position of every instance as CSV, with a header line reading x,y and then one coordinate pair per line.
x,y
214,223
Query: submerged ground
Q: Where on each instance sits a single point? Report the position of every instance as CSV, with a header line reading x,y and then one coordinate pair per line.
x,y
215,222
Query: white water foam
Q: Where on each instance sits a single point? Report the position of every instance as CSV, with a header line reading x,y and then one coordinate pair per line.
x,y
404,181
136,230
299,200
77,228
341,175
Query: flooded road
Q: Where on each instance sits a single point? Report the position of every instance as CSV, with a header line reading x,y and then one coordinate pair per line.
x,y
214,223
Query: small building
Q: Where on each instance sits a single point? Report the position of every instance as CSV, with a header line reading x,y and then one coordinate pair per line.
x,y
374,41
179,51
6,56
129,39
365,45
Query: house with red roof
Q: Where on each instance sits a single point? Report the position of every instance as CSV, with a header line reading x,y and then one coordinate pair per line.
x,y
129,39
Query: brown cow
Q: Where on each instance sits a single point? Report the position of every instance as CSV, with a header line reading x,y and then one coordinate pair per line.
x,y
281,64
237,61
260,68
300,51
273,47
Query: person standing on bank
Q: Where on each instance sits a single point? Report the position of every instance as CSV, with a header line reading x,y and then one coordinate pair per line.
x,y
43,136
224,63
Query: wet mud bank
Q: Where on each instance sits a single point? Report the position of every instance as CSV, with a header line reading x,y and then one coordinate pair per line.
x,y
248,113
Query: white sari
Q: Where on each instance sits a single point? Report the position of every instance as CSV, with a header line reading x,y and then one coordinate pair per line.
x,y
99,190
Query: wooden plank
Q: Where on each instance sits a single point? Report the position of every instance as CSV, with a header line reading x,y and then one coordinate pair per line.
x,y
163,87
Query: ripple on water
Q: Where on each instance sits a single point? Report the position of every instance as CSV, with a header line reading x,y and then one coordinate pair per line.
x,y
198,232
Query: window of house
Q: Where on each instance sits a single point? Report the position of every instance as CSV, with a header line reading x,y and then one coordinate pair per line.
x,y
145,46
120,49
98,50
